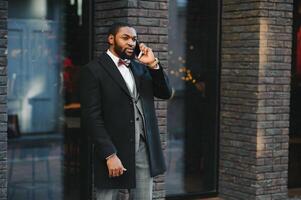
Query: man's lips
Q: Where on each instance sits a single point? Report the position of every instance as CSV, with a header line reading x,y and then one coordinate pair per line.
x,y
129,50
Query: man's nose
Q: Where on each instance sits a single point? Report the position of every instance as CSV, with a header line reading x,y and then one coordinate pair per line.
x,y
131,43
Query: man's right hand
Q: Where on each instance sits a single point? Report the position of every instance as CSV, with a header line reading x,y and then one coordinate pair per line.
x,y
115,166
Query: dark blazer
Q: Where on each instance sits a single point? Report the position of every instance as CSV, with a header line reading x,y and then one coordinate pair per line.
x,y
108,117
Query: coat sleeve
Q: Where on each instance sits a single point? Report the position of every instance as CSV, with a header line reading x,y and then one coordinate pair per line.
x,y
91,113
161,86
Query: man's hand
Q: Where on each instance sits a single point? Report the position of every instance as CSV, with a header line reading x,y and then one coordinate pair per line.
x,y
115,166
148,57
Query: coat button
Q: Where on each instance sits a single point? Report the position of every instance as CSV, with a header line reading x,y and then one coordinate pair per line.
x,y
131,140
131,121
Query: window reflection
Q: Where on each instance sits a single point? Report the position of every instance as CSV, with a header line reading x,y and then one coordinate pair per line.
x,y
192,113
34,101
47,42
32,9
35,137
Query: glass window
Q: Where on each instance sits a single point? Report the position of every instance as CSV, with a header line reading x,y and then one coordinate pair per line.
x,y
294,172
33,9
48,41
193,111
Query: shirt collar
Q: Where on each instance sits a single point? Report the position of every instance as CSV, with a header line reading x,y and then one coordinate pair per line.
x,y
114,58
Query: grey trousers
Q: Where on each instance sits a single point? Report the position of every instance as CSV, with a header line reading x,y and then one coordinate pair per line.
x,y
144,183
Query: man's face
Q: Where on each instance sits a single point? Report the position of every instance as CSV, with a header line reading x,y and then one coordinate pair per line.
x,y
124,42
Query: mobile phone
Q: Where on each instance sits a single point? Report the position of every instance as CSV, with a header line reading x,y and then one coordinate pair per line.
x,y
137,50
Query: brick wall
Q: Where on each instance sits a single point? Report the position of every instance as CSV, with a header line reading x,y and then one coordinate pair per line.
x,y
3,89
255,92
150,18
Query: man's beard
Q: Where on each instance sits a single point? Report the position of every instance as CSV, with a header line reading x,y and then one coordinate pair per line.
x,y
121,53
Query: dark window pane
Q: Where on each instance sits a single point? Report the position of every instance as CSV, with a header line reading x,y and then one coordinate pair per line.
x,y
294,172
192,113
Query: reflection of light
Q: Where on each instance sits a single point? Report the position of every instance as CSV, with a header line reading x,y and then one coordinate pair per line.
x,y
260,142
11,84
191,47
15,53
182,3
79,7
79,10
39,7
187,76
36,86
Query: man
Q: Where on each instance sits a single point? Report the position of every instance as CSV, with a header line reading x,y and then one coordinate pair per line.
x,y
117,99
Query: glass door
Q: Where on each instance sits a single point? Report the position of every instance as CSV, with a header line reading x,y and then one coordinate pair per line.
x,y
193,111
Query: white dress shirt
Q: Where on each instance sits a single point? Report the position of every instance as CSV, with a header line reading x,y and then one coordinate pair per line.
x,y
124,70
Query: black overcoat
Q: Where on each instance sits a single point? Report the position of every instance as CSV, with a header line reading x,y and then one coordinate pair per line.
x,y
108,117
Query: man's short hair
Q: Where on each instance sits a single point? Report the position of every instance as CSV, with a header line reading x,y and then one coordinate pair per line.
x,y
116,26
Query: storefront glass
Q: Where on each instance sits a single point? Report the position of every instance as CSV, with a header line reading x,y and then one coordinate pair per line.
x,y
193,111
45,39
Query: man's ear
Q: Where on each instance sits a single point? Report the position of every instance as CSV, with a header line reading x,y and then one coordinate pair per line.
x,y
111,39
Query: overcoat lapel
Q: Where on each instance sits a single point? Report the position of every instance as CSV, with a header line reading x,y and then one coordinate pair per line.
x,y
110,67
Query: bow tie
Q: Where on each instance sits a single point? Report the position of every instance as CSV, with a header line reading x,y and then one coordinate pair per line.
x,y
125,62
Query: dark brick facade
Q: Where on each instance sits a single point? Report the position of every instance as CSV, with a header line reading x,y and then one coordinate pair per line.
x,y
255,96
150,18
3,93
